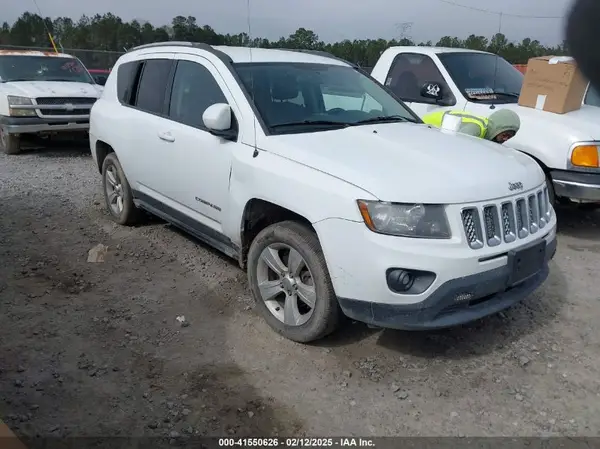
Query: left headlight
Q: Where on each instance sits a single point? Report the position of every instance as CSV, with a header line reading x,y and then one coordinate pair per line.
x,y
15,109
405,220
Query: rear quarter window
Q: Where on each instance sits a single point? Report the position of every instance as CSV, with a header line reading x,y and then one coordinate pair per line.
x,y
126,74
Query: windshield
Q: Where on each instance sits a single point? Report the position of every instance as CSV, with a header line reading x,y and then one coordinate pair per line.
x,y
478,75
302,97
42,68
592,97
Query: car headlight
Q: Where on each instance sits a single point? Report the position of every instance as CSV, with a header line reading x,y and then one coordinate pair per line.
x,y
405,220
14,110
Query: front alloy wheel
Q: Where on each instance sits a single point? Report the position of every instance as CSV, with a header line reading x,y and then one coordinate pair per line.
x,y
290,282
286,284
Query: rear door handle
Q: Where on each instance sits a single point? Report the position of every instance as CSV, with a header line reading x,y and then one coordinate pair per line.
x,y
166,136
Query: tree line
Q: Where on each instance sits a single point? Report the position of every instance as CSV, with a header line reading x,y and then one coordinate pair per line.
x,y
109,36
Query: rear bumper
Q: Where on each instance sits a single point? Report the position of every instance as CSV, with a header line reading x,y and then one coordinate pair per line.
x,y
441,309
26,125
576,185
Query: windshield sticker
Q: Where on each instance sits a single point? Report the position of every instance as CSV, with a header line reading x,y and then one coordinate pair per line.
x,y
484,93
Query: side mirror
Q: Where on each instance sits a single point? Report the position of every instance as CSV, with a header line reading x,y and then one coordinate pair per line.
x,y
433,91
437,93
217,119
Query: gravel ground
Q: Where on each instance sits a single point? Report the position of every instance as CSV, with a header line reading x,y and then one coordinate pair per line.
x,y
95,348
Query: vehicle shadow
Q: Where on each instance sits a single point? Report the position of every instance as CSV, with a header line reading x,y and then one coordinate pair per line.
x,y
50,148
579,222
469,340
206,246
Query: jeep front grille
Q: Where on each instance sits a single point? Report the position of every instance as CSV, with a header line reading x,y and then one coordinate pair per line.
x,y
506,221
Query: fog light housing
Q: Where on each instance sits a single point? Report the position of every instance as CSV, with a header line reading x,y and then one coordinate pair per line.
x,y
407,281
463,297
400,280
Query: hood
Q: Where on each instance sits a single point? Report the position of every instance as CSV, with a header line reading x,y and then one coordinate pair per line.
x,y
34,89
406,162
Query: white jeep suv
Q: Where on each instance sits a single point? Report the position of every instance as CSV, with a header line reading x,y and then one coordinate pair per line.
x,y
331,192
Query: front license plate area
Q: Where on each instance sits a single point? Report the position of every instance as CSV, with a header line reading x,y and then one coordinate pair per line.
x,y
526,262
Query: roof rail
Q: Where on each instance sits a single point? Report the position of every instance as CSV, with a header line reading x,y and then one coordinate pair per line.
x,y
199,45
321,53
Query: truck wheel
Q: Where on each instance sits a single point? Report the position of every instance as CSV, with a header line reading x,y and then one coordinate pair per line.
x,y
117,192
10,143
290,282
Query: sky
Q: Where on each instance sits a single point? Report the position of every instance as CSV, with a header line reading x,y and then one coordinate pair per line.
x,y
332,20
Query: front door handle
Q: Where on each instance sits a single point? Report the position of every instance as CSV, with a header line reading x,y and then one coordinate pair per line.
x,y
166,136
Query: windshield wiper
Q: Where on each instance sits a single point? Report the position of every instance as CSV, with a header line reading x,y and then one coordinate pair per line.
x,y
311,122
507,94
382,119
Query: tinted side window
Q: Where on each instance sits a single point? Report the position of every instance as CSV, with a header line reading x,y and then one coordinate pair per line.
x,y
408,74
125,78
152,85
194,90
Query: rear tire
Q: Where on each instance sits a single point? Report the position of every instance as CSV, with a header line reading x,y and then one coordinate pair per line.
x,y
304,280
117,193
10,143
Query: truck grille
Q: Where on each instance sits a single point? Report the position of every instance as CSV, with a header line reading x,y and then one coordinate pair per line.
x,y
506,221
84,103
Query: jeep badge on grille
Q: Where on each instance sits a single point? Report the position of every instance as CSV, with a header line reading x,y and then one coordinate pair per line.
x,y
515,186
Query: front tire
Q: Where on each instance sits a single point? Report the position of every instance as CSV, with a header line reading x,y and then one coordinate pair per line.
x,y
10,143
117,192
290,282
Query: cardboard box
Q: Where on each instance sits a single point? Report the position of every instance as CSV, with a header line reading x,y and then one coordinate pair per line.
x,y
553,84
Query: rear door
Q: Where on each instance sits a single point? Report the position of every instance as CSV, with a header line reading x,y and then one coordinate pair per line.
x,y
149,149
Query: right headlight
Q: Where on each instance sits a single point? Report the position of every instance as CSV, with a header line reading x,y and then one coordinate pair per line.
x,y
405,220
15,111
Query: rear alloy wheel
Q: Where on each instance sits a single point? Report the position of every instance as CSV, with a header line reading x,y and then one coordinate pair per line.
x,y
9,143
290,282
117,192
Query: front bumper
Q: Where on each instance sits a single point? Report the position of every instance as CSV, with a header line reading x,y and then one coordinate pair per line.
x,y
440,310
26,125
576,185
358,259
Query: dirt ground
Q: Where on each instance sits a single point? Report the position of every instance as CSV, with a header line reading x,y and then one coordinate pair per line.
x,y
95,349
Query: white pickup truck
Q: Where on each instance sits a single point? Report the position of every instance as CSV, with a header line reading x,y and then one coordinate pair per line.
x,y
42,93
565,145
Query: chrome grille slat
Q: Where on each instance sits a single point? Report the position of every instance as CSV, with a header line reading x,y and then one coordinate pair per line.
x,y
472,226
522,218
494,224
541,203
508,222
532,210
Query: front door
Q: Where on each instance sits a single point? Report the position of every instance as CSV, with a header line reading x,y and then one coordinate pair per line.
x,y
197,165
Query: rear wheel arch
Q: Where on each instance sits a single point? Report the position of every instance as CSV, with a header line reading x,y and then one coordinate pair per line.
x,y
102,150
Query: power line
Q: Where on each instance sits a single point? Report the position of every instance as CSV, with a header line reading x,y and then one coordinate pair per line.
x,y
505,14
